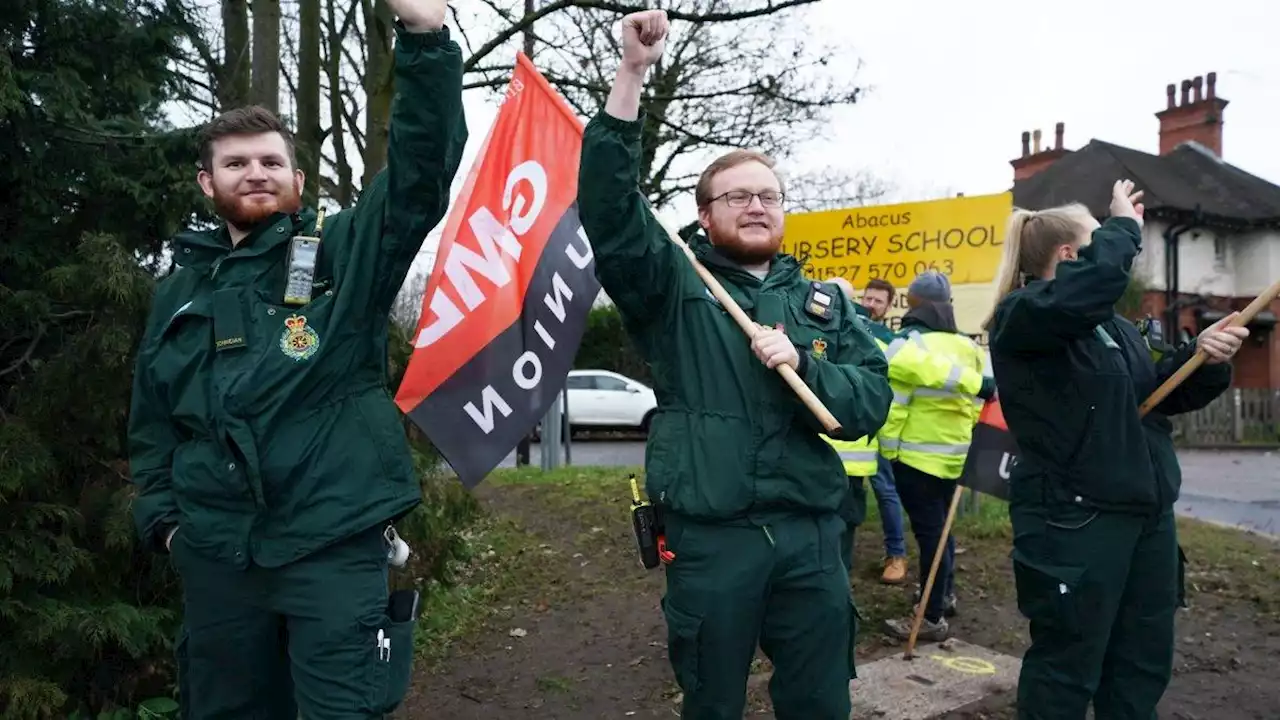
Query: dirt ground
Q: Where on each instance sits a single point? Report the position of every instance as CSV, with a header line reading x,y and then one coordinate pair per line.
x,y
556,619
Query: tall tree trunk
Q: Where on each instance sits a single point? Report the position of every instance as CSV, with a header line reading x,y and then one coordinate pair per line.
x,y
266,54
233,83
344,192
529,41
379,86
308,121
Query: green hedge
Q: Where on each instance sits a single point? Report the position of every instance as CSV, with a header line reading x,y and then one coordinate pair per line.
x,y
88,618
606,346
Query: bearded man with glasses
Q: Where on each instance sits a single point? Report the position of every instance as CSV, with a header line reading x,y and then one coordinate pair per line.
x,y
736,464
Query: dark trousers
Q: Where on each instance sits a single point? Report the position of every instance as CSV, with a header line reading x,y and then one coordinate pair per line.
x,y
853,511
312,637
1100,590
782,585
926,499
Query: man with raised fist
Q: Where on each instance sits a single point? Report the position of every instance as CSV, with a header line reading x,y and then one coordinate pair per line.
x,y
269,457
749,489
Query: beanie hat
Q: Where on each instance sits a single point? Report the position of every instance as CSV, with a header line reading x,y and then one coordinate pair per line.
x,y
932,286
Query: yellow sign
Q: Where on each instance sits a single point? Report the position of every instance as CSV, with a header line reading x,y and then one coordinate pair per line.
x,y
967,665
961,237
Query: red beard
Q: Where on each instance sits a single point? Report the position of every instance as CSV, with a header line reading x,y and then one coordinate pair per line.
x,y
729,246
244,212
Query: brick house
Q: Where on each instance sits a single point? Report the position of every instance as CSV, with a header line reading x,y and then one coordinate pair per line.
x,y
1211,243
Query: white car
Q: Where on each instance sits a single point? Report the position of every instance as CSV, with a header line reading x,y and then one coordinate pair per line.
x,y
606,400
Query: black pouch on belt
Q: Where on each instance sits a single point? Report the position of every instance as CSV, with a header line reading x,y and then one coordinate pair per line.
x,y
644,522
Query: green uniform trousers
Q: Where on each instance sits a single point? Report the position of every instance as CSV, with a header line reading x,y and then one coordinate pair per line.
x,y
854,513
779,584
1100,590
312,637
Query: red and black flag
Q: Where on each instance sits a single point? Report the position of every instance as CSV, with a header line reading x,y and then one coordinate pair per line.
x,y
508,297
992,453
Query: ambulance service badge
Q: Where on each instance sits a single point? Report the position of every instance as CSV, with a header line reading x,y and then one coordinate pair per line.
x,y
819,349
299,341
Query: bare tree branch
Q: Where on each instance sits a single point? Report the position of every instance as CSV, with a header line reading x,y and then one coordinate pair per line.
x,y
832,188
768,8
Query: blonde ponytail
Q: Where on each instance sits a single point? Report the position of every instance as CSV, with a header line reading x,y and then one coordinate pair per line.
x,y
1030,239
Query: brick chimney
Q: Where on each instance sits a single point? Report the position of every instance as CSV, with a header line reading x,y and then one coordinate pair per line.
x,y
1034,159
1198,117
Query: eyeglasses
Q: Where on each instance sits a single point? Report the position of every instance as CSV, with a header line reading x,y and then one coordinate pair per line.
x,y
742,198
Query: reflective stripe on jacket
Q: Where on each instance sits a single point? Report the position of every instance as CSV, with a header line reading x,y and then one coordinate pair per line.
x,y
934,422
914,369
859,456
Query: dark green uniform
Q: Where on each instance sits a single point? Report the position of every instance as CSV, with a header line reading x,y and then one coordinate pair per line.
x,y
854,508
750,490
1096,555
878,330
853,511
266,434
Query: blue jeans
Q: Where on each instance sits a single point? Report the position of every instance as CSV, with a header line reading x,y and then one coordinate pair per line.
x,y
890,508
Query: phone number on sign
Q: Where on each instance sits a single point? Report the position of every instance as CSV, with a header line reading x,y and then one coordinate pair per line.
x,y
904,271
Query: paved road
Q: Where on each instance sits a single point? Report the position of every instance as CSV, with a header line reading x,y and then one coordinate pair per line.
x,y
1233,487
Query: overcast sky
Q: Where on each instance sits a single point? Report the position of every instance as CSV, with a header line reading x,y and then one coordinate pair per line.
x,y
953,85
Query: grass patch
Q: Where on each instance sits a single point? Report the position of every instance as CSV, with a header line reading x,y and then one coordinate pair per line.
x,y
517,555
1229,564
496,555
510,559
555,683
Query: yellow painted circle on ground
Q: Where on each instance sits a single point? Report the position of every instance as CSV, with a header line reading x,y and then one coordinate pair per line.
x,y
968,665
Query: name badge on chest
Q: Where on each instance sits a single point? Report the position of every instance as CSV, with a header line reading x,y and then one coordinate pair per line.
x,y
819,302
304,252
228,320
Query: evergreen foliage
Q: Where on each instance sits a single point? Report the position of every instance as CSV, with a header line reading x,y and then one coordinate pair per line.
x,y
91,185
606,346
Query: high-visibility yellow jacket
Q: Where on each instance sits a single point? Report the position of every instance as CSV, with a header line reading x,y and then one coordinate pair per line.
x,y
934,411
859,456
911,365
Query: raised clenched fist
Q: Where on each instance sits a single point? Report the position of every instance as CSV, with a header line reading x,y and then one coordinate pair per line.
x,y
644,37
420,15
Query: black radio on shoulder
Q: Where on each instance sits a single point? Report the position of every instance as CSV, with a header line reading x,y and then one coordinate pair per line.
x,y
820,301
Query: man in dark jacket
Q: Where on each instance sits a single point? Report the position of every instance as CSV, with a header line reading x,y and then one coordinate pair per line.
x,y
749,488
269,457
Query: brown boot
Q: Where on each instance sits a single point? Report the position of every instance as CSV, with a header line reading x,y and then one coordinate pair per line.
x,y
895,571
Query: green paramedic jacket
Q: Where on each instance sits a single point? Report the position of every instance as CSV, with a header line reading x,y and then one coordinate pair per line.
x,y
731,441
265,431
1071,374
878,330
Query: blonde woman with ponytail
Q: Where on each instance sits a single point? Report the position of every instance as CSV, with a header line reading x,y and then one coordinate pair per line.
x,y
1096,557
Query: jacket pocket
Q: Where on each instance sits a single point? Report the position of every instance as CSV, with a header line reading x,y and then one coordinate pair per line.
x,y
382,422
709,469
1047,594
391,649
684,634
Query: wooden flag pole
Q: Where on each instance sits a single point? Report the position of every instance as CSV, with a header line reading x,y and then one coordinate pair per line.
x,y
1162,392
749,327
933,570
1198,359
